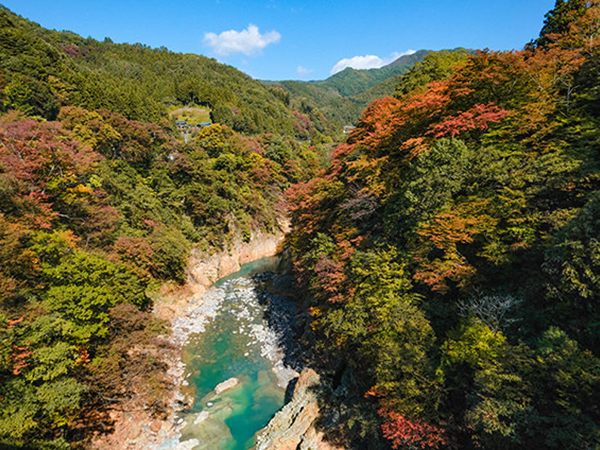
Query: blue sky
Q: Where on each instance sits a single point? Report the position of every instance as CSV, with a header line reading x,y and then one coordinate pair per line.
x,y
279,39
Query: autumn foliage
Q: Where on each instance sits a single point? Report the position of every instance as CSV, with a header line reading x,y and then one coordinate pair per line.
x,y
450,251
403,432
101,201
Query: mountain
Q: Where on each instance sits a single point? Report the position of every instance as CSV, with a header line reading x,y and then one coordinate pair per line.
x,y
343,96
43,70
350,82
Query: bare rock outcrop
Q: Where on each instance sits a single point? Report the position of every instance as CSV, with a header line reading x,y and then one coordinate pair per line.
x,y
204,268
225,385
294,426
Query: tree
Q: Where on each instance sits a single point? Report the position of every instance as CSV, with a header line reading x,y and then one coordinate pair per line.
x,y
559,19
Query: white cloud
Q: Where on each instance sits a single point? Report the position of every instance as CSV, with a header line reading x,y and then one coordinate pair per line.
x,y
367,61
394,56
303,71
358,62
248,41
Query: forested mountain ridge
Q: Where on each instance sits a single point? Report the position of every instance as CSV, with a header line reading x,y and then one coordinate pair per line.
x,y
451,252
101,200
350,82
343,96
45,69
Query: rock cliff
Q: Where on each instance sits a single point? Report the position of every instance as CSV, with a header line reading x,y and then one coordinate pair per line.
x,y
204,268
294,426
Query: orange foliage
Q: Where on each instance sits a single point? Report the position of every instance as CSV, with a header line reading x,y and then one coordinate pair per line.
x,y
414,146
402,432
477,118
83,357
444,232
19,358
378,123
330,275
429,102
12,323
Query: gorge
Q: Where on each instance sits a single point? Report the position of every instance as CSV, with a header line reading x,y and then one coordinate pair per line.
x,y
441,282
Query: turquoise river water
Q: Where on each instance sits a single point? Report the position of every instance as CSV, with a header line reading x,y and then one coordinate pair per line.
x,y
236,343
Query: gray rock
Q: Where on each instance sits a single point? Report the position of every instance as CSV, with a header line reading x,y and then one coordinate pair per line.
x,y
294,426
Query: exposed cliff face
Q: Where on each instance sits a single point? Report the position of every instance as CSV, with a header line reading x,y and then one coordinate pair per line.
x,y
205,268
294,426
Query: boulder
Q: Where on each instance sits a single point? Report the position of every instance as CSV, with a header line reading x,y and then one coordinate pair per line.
x,y
227,384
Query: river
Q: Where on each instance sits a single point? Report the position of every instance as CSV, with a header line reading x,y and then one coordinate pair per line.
x,y
237,336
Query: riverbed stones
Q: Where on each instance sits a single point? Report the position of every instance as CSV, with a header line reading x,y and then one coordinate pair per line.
x,y
179,305
201,417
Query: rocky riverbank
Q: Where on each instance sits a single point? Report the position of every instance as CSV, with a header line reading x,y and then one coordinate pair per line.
x,y
187,308
205,268
240,360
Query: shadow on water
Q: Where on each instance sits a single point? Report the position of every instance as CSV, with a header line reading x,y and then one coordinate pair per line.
x,y
337,392
281,314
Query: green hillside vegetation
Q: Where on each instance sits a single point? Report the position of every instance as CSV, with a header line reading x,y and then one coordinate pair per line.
x,y
451,252
343,97
350,82
336,109
42,70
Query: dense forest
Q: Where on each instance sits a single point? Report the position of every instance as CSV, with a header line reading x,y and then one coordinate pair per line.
x,y
43,70
101,200
452,252
448,252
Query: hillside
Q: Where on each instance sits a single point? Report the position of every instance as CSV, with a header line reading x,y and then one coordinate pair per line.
x,y
343,96
350,82
101,203
44,70
450,254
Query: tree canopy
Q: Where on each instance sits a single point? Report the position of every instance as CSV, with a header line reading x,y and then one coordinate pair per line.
x,y
450,251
